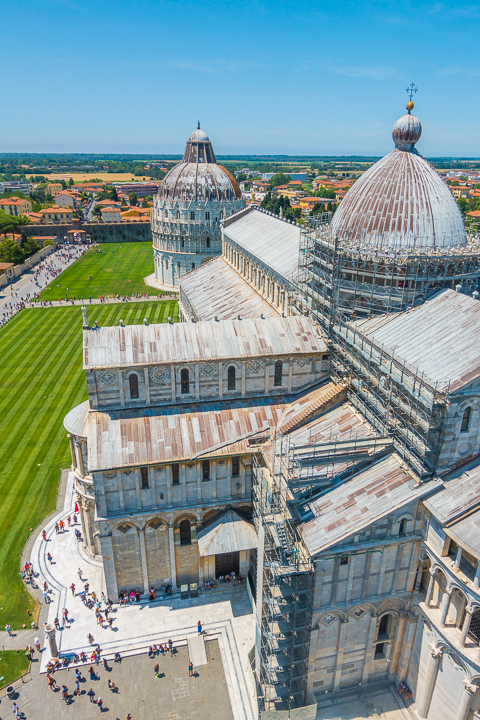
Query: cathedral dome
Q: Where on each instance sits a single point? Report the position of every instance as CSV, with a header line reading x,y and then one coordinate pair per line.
x,y
401,201
199,176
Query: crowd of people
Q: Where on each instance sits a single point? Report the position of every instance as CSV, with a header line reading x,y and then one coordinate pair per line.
x,y
43,274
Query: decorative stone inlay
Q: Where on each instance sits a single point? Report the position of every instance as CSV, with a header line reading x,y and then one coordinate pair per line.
x,y
159,375
155,524
207,370
106,377
220,463
359,612
124,528
328,619
255,365
303,361
111,474
190,465
127,473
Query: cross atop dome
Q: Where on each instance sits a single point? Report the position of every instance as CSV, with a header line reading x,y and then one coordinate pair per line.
x,y
411,89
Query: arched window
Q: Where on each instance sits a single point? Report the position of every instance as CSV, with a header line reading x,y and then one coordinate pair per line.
x,y
277,380
133,382
185,381
166,264
192,215
207,216
231,378
384,627
193,266
183,243
208,242
185,533
178,215
467,415
402,526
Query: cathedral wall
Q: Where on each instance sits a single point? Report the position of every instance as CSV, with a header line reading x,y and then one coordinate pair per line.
x,y
109,388
461,439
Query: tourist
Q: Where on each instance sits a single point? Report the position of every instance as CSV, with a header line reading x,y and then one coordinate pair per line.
x,y
72,588
190,669
91,695
36,642
152,594
50,558
57,528
100,703
44,535
80,573
199,627
112,685
90,638
156,669
9,630
118,657
65,693
57,623
170,646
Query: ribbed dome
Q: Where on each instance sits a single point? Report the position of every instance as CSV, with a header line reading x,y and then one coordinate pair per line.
x,y
401,201
198,176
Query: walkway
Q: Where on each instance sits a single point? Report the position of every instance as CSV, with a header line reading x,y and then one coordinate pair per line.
x,y
226,614
96,301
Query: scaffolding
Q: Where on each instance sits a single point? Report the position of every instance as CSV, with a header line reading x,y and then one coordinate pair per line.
x,y
285,573
361,277
395,397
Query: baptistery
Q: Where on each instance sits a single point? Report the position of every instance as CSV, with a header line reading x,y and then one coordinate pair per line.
x,y
193,199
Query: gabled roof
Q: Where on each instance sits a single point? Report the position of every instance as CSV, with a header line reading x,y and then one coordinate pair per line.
x,y
273,241
227,533
440,337
204,341
215,290
369,496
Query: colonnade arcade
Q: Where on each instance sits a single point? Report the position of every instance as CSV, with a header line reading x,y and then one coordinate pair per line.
x,y
275,289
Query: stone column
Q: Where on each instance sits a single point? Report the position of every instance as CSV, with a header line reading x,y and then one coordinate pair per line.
x,y
476,580
407,646
418,579
50,637
88,537
445,605
78,447
143,555
430,589
458,558
423,702
466,625
72,451
463,709
171,545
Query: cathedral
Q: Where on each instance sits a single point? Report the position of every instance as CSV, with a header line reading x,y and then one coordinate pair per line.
x,y
313,425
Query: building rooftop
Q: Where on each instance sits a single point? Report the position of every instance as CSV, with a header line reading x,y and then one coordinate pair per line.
x,y
216,290
272,240
460,494
347,509
440,337
207,341
150,436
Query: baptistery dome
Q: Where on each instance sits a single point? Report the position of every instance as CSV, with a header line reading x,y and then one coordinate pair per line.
x,y
193,199
198,176
401,201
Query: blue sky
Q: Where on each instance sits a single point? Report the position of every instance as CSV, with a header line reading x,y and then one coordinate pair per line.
x,y
263,77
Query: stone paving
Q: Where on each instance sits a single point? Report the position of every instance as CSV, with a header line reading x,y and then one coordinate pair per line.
x,y
172,696
226,613
373,704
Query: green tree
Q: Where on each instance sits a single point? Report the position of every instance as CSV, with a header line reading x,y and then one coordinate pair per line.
x,y
10,251
138,170
145,203
71,182
132,198
113,194
97,211
279,179
63,184
29,245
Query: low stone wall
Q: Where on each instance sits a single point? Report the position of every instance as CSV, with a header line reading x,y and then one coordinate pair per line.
x,y
27,265
99,232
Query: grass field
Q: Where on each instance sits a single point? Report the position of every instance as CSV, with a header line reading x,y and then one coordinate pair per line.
x,y
110,272
41,378
88,177
12,665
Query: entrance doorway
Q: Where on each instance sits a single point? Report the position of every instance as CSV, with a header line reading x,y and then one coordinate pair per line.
x,y
226,563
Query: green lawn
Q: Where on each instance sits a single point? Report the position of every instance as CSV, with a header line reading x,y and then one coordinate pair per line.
x,y
110,272
12,665
41,379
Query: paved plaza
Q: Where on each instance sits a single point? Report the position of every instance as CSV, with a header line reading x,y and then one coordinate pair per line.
x,y
226,613
375,704
171,696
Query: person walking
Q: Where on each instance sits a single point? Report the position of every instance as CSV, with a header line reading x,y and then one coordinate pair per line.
x,y
57,528
50,558
199,627
100,703
36,642
112,685
91,695
72,588
80,573
8,629
90,638
44,535
69,520
15,710
190,669
65,693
